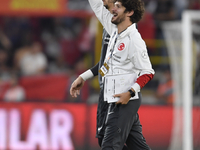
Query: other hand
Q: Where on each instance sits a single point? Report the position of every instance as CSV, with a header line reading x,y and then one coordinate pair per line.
x,y
124,98
76,86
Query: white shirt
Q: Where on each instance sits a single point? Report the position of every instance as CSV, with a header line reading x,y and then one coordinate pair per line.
x,y
31,63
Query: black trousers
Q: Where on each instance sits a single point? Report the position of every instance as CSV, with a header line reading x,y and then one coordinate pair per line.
x,y
123,130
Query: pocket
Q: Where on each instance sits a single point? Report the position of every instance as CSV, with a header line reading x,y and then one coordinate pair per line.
x,y
112,114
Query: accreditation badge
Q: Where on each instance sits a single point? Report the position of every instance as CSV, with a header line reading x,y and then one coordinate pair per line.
x,y
104,69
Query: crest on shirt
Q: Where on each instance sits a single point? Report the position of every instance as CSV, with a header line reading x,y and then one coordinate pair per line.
x,y
144,55
121,46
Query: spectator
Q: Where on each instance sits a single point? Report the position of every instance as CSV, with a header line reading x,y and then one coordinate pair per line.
x,y
15,93
34,62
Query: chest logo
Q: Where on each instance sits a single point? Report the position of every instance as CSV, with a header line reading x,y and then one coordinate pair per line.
x,y
121,47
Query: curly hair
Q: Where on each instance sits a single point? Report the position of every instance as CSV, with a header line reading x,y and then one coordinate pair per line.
x,y
137,6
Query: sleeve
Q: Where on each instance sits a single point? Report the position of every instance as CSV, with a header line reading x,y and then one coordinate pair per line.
x,y
102,14
95,69
144,79
142,64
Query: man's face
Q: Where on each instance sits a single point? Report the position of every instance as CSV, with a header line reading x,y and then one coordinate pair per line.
x,y
108,3
118,13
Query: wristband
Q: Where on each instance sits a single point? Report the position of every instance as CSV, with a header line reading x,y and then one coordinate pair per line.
x,y
87,75
136,87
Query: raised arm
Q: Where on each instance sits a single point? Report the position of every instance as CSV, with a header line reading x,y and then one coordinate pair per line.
x,y
103,15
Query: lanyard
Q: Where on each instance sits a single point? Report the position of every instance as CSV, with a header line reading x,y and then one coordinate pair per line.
x,y
112,50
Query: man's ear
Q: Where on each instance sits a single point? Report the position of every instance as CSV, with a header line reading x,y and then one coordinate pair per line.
x,y
130,13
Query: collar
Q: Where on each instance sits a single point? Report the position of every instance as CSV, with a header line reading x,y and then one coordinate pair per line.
x,y
131,28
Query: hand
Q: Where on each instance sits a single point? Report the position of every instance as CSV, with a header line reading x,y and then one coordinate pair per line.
x,y
124,98
76,86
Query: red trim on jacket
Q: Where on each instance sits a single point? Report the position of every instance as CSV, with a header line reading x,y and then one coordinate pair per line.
x,y
144,79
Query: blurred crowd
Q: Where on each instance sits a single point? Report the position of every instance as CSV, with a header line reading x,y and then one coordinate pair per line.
x,y
32,46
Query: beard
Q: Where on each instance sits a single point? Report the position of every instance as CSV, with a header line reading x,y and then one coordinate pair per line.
x,y
118,20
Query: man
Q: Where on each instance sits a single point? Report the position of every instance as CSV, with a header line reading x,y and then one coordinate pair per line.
x,y
126,54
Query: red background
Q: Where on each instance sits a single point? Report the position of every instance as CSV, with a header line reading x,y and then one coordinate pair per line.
x,y
156,122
